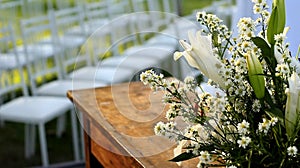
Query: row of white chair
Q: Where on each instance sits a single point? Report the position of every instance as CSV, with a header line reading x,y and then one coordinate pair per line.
x,y
31,110
51,49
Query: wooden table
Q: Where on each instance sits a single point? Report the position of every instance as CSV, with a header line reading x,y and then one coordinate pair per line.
x,y
118,124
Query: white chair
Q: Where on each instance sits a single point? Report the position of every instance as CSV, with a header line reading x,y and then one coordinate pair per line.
x,y
96,14
37,38
31,8
155,53
120,37
77,66
40,66
63,21
117,8
32,110
7,56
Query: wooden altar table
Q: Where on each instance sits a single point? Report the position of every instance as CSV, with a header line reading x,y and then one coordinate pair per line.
x,y
118,122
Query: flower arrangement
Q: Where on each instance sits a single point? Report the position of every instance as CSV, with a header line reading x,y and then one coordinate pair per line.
x,y
252,116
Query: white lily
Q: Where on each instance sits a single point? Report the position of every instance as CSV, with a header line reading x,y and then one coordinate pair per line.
x,y
292,105
199,54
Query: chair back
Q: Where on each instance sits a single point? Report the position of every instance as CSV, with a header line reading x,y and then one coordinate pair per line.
x,y
31,8
12,82
139,5
96,11
64,21
42,51
118,8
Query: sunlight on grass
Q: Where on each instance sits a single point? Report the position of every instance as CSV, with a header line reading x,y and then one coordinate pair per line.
x,y
189,5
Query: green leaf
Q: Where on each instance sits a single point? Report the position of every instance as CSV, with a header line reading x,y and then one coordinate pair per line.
x,y
274,111
183,156
266,52
215,38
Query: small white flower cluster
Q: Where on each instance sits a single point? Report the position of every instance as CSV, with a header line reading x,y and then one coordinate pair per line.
x,y
173,111
205,157
256,106
266,124
292,151
243,130
214,26
231,166
190,83
246,28
244,141
243,127
286,63
260,7
165,129
234,75
156,82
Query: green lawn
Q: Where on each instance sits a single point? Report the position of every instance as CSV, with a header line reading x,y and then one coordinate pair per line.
x,y
189,5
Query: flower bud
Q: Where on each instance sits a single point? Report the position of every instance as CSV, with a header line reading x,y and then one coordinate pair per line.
x,y
277,20
255,72
292,105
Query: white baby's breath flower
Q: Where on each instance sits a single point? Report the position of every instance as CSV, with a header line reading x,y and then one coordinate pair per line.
x,y
190,83
243,127
170,114
256,105
273,121
159,129
282,70
232,166
244,141
246,28
205,157
279,38
264,126
292,151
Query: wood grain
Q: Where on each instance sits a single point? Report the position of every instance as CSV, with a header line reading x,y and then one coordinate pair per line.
x,y
121,121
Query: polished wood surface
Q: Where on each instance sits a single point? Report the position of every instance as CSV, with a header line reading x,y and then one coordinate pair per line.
x,y
119,122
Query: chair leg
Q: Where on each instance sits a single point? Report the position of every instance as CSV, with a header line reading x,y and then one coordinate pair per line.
x,y
61,125
75,135
32,139
82,135
43,144
27,141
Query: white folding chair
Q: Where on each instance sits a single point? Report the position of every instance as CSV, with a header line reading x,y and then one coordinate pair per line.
x,y
40,66
31,8
118,8
75,60
7,56
36,37
31,110
96,14
63,22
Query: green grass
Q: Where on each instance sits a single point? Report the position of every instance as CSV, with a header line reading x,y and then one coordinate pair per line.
x,y
12,146
189,5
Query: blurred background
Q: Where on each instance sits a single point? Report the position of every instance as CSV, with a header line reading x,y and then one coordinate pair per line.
x,y
72,39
